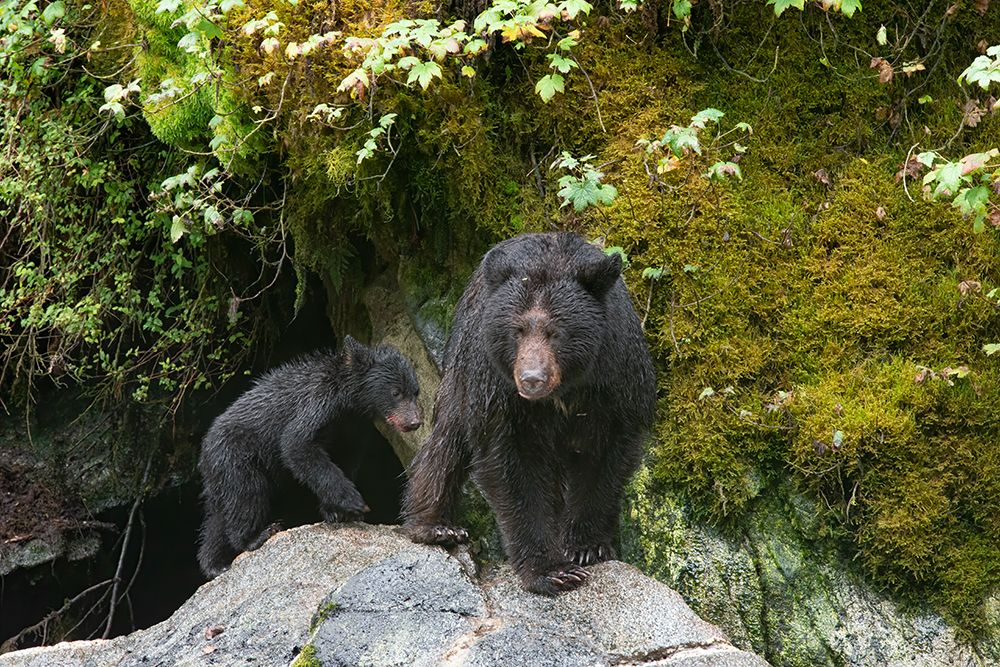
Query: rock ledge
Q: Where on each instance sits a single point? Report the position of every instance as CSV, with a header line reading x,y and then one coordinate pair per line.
x,y
365,595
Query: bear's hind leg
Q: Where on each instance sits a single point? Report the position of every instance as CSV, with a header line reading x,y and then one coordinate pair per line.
x,y
214,552
246,506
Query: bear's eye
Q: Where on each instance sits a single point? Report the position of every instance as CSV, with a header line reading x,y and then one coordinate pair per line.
x,y
396,394
520,329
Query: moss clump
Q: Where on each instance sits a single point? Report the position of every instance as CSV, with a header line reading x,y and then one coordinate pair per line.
x,y
307,657
325,611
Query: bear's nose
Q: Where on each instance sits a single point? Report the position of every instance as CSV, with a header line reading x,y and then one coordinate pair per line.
x,y
413,424
533,382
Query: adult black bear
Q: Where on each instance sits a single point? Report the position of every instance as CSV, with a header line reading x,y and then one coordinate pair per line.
x,y
285,421
548,391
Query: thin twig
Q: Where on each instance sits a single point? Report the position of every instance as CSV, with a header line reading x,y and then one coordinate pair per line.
x,y
672,336
42,625
593,92
906,163
125,541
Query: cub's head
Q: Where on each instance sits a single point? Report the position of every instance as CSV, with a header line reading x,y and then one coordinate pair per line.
x,y
388,387
545,314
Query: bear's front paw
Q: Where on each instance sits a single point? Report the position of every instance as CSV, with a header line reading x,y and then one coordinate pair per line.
x,y
447,536
588,555
564,578
343,513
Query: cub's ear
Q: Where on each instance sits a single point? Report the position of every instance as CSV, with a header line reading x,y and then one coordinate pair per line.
x,y
497,268
598,274
356,353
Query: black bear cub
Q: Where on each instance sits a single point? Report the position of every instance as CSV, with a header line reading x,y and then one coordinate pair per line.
x,y
548,392
287,420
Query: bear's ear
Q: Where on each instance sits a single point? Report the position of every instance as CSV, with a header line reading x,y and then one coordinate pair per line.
x,y
598,274
356,353
497,268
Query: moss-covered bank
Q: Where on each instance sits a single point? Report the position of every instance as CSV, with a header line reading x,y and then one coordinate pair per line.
x,y
838,323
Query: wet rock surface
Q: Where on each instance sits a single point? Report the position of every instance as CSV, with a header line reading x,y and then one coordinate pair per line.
x,y
358,594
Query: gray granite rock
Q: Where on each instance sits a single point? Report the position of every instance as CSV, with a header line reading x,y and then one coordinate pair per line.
x,y
364,595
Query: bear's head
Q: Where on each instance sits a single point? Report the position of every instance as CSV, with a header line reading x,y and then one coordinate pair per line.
x,y
387,384
545,314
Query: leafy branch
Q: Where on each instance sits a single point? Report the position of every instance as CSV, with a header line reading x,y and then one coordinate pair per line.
x,y
846,7
969,182
679,142
584,186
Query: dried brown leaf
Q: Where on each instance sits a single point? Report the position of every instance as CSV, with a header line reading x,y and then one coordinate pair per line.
x,y
967,286
973,113
911,169
884,69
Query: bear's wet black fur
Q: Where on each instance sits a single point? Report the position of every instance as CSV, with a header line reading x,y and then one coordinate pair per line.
x,y
547,395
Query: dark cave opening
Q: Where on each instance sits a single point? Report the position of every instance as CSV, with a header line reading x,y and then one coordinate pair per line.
x,y
164,536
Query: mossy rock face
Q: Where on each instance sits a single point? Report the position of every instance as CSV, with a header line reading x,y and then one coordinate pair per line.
x,y
777,591
809,297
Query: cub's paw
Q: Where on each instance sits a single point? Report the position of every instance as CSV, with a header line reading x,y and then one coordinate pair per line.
x,y
564,578
590,554
264,536
447,536
214,571
342,513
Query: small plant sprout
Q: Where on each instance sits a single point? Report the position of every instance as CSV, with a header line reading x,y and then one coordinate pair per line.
x,y
116,95
968,182
584,185
383,129
680,142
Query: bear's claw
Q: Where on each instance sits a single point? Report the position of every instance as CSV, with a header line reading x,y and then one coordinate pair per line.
x,y
591,554
565,578
442,535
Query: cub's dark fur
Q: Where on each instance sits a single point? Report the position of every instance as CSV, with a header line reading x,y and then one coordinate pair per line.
x,y
286,420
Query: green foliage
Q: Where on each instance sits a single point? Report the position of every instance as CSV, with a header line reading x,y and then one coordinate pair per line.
x,y
781,5
846,7
984,70
549,85
92,289
190,99
583,186
679,142
969,181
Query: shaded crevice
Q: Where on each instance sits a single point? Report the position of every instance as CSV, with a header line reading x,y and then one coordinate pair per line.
x,y
764,620
682,650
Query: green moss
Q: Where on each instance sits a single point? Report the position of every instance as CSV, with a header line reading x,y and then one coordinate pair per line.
x,y
307,657
813,306
322,614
